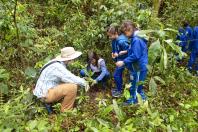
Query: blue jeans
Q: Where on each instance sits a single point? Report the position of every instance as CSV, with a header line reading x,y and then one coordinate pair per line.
x,y
192,60
118,77
137,77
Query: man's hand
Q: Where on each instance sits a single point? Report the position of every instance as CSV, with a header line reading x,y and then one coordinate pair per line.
x,y
119,63
94,82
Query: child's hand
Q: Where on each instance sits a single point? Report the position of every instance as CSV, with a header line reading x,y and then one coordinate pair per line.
x,y
119,63
122,52
112,55
116,55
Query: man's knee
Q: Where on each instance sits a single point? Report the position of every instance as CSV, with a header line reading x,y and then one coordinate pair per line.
x,y
74,88
69,88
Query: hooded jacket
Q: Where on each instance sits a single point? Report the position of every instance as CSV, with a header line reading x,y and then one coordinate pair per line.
x,y
120,44
195,37
137,54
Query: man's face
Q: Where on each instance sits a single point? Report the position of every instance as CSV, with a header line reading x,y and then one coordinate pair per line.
x,y
69,62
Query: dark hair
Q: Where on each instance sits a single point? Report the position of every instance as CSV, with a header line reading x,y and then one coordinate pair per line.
x,y
113,29
92,55
185,23
127,26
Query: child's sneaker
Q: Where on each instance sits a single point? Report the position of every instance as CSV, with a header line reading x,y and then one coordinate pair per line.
x,y
114,90
143,96
116,94
49,108
130,101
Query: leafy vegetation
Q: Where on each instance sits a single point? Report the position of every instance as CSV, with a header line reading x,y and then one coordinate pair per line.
x,y
32,32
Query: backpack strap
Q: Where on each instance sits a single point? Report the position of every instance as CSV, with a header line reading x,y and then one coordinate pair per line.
x,y
45,66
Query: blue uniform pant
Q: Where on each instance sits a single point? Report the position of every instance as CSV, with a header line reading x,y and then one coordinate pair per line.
x,y
137,77
192,60
118,77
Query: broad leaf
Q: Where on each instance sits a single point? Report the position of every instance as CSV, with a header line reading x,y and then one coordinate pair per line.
x,y
153,86
154,51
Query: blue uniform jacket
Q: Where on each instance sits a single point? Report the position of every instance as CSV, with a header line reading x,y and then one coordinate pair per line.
x,y
120,44
137,54
182,37
189,35
195,37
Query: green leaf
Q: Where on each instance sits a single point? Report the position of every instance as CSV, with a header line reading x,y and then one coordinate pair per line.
x,y
94,129
154,51
171,29
143,33
104,112
161,33
153,86
119,113
32,124
126,94
160,80
174,47
3,88
102,122
162,62
4,75
30,72
165,56
169,128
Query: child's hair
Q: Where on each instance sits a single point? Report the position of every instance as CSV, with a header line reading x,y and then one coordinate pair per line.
x,y
113,29
127,26
185,23
92,55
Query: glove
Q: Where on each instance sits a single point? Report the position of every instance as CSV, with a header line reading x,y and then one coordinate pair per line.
x,y
87,86
94,82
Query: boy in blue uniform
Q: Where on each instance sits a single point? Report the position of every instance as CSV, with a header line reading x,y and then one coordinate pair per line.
x,y
119,53
194,51
183,39
138,58
189,35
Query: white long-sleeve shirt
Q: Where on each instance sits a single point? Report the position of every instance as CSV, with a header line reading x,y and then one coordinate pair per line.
x,y
53,75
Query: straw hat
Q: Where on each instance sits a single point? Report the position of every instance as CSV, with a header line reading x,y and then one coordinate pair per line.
x,y
68,53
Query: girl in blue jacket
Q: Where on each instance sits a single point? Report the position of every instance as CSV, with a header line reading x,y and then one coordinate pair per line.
x,y
137,59
119,52
98,67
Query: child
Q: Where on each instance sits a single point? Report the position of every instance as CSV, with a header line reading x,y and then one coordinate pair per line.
x,y
194,53
138,58
119,53
183,39
98,67
189,34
